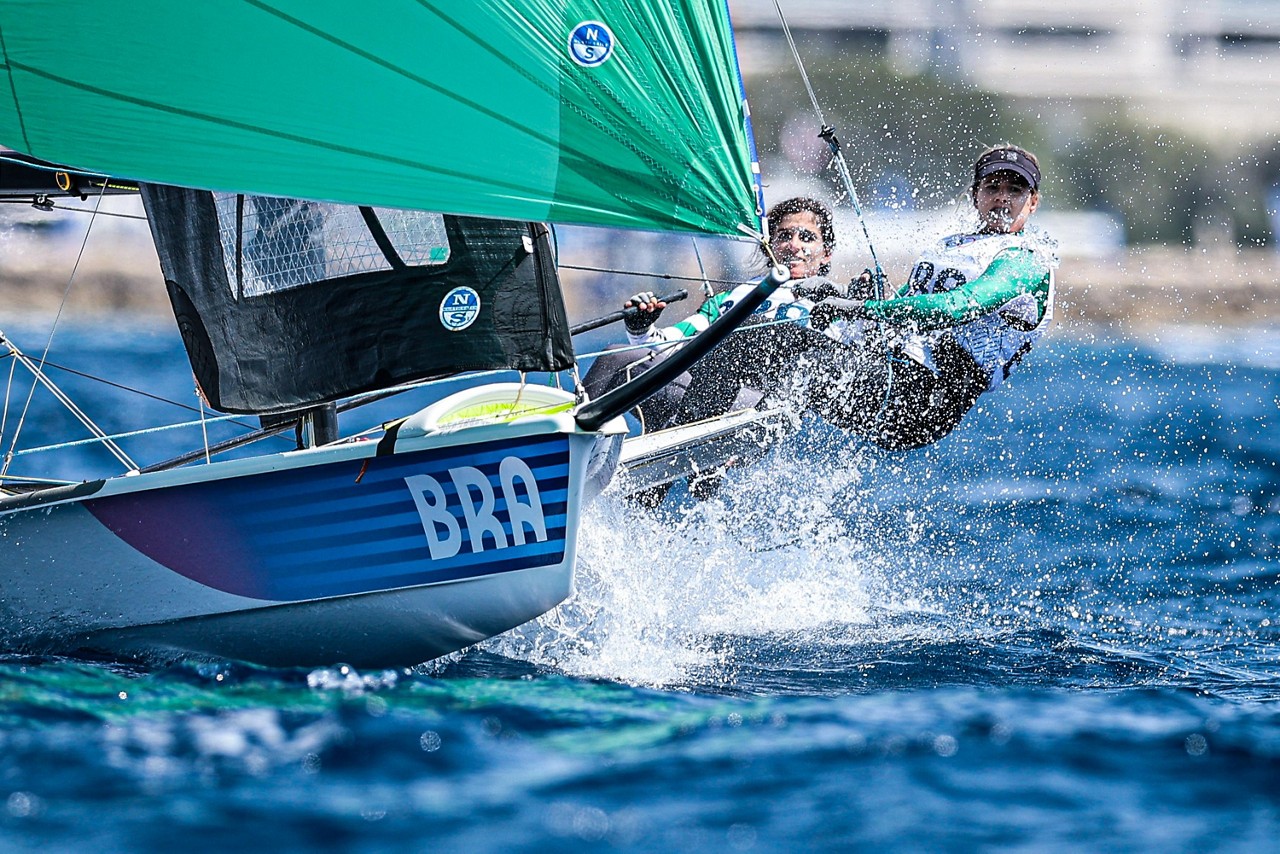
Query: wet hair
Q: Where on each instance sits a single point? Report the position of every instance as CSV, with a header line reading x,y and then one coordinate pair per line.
x,y
801,204
1004,146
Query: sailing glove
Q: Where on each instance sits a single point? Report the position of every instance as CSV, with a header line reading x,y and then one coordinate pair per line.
x,y
834,307
643,310
816,289
864,287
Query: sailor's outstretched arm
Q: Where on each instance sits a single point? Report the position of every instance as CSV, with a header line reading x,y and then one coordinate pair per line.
x,y
1012,273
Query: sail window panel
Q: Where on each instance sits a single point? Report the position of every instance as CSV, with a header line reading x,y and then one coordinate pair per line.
x,y
272,244
418,237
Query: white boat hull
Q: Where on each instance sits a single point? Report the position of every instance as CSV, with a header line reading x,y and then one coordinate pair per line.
x,y
372,554
698,449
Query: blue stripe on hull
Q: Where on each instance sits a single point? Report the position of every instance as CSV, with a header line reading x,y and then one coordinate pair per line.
x,y
355,526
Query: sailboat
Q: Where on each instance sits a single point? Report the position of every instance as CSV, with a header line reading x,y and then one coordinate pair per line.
x,y
347,202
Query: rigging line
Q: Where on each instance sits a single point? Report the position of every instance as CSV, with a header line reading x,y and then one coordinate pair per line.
x,y
707,290
38,370
126,435
773,258
786,31
680,342
77,443
351,403
132,390
41,378
204,427
828,135
17,478
668,276
89,211
8,388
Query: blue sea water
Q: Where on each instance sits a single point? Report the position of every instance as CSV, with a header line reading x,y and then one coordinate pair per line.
x,y
1054,631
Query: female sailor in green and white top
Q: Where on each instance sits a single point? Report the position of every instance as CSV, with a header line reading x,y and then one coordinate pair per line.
x,y
802,237
901,372
972,307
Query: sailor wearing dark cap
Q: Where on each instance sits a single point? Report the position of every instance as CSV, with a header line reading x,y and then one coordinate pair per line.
x,y
901,372
971,308
1006,189
1008,158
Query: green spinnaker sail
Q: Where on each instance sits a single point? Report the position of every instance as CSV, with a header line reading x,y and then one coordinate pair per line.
x,y
599,112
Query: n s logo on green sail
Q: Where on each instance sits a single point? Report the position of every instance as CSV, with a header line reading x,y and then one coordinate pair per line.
x,y
591,44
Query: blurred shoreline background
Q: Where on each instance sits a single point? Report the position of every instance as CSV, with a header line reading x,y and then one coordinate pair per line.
x,y
1155,124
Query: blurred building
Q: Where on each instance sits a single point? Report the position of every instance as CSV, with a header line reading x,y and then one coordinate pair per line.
x,y
1210,68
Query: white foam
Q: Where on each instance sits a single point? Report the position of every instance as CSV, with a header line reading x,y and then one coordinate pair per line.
x,y
663,596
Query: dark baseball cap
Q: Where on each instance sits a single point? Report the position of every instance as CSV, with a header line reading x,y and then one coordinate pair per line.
x,y
1007,160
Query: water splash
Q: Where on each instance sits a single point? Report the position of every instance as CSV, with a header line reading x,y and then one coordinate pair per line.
x,y
786,548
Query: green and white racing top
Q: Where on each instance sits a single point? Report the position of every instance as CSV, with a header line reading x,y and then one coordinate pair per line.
x,y
784,305
992,293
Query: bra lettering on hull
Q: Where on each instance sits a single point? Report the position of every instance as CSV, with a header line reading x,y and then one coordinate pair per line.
x,y
475,496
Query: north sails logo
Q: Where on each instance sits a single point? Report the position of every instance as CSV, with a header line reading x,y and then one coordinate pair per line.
x,y
591,44
459,309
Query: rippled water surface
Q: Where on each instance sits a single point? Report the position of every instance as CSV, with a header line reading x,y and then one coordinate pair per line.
x,y
1053,631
